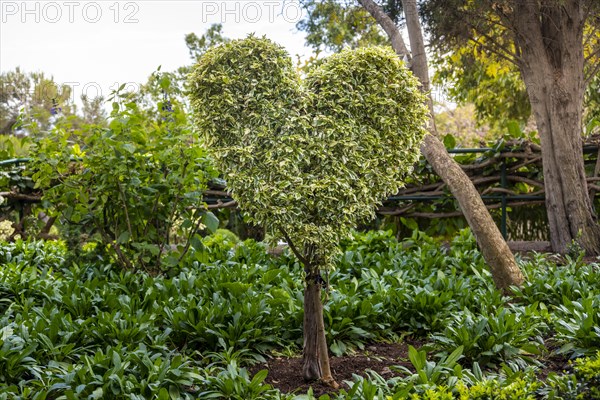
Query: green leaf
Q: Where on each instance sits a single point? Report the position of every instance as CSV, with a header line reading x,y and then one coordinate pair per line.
x,y
210,221
196,243
410,223
97,394
591,126
236,288
454,356
174,392
417,358
130,148
260,376
123,237
165,82
449,141
514,129
163,394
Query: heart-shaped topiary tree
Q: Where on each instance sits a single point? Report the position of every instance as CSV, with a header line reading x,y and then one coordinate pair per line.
x,y
309,158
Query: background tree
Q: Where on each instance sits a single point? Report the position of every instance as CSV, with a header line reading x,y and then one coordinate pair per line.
x,y
167,88
471,74
592,110
492,85
555,45
487,31
31,96
93,111
462,124
308,159
333,25
197,46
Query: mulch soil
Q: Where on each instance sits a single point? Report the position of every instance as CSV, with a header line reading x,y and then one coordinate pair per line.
x,y
285,373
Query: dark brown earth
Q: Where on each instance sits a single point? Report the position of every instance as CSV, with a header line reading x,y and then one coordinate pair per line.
x,y
285,373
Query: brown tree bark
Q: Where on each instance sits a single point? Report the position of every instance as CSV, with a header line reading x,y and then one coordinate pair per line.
x,y
388,26
315,364
549,42
494,249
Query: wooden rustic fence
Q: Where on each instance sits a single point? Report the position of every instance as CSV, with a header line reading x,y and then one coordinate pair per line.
x,y
507,176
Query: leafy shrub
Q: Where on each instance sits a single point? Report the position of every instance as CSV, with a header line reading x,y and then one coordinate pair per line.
x,y
582,383
490,339
234,383
579,326
493,389
431,372
134,186
44,255
551,284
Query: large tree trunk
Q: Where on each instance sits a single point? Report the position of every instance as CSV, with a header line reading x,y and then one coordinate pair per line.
x,y
315,354
550,43
494,249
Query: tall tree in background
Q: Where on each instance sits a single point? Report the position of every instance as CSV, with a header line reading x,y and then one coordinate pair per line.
x,y
491,84
166,88
335,25
31,103
470,74
93,111
33,96
493,246
555,45
197,46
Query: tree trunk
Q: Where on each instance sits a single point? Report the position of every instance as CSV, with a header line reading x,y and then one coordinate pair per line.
x,y
494,249
315,354
550,44
388,26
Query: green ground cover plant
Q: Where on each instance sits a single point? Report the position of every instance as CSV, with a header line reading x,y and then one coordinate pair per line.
x,y
93,330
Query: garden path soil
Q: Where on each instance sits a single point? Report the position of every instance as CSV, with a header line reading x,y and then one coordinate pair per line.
x,y
285,373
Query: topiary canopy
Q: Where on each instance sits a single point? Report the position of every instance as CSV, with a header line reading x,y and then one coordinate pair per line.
x,y
308,157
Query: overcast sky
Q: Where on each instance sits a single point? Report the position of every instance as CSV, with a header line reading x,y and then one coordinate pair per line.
x,y
95,45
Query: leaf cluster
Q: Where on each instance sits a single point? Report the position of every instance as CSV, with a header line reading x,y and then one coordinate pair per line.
x,y
335,25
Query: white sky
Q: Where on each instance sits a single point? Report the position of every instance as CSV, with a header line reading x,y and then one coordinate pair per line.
x,y
94,45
